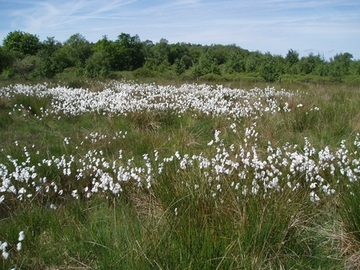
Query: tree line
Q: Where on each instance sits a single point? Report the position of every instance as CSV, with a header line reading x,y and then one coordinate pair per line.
x,y
23,54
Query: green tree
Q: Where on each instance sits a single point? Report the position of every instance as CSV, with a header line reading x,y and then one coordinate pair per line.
x,y
268,68
344,61
196,71
77,49
206,65
309,64
129,54
63,58
47,66
25,43
177,51
24,67
186,59
340,66
73,53
98,65
253,62
280,64
179,66
6,59
235,62
291,58
354,68
195,51
158,56
217,52
336,72
50,45
108,49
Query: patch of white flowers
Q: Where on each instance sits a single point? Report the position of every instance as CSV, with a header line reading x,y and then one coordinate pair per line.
x,y
277,169
4,246
289,167
120,98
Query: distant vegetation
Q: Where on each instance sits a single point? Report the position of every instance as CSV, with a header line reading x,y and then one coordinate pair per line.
x,y
24,55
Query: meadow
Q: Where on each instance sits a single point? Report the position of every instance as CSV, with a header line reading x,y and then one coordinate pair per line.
x,y
129,175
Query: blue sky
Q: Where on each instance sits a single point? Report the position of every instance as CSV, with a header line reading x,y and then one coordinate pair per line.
x,y
326,27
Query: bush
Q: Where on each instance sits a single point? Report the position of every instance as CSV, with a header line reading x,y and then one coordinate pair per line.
x,y
5,117
144,72
46,65
97,66
77,84
8,73
26,66
268,71
211,77
336,72
349,210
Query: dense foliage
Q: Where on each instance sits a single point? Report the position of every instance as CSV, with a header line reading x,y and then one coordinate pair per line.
x,y
25,55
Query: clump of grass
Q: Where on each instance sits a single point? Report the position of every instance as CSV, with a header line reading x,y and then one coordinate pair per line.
x,y
349,210
5,113
3,103
77,83
209,229
89,235
154,120
35,105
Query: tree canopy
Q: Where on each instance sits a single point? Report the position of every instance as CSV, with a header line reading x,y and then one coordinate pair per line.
x,y
24,54
24,43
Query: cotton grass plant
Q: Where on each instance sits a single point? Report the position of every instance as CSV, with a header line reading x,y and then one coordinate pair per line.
x,y
146,176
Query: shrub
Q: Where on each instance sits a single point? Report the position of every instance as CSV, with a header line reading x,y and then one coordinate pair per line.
x,y
349,209
268,71
26,66
144,72
211,77
97,66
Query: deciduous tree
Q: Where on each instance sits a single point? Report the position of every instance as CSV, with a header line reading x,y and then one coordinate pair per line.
x,y
97,66
24,67
129,53
78,49
268,68
25,43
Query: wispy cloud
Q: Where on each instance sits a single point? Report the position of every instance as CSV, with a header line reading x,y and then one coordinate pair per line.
x,y
46,16
265,25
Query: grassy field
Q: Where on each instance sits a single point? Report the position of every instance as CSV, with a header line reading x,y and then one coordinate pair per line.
x,y
125,175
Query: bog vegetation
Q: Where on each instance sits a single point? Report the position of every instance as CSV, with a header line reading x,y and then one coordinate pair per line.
x,y
119,174
143,176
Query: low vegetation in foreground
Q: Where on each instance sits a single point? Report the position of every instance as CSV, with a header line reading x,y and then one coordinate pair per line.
x,y
147,176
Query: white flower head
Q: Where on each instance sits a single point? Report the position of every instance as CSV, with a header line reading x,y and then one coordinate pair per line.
x,y
21,236
314,197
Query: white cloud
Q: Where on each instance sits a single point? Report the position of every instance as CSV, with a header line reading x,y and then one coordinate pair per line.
x,y
271,25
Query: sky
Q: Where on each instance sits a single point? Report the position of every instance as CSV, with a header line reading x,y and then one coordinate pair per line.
x,y
325,27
